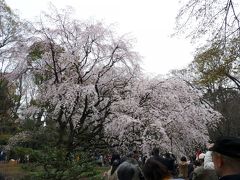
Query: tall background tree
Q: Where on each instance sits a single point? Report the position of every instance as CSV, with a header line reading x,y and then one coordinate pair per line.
x,y
216,63
12,51
209,19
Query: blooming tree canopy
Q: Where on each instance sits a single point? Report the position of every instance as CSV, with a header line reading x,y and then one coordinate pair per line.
x,y
163,113
79,69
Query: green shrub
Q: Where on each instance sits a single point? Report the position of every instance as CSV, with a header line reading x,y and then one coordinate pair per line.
x,y
56,163
4,138
21,152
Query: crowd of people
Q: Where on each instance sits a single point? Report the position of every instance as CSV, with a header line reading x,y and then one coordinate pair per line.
x,y
220,162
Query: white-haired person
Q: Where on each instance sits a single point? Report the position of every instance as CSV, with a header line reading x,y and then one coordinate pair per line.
x,y
200,173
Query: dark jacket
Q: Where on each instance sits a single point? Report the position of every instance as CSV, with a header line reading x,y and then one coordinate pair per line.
x,y
115,156
166,162
231,177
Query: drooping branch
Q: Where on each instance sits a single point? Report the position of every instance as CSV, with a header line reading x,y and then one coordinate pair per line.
x,y
235,80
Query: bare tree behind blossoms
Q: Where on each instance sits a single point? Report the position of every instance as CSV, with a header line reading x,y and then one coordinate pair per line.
x,y
12,39
212,19
217,21
167,113
79,68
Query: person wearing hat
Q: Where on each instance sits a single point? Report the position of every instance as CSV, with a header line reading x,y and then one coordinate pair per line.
x,y
226,158
200,173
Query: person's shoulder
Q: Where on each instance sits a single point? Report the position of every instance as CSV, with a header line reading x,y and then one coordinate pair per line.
x,y
156,158
231,177
198,169
183,163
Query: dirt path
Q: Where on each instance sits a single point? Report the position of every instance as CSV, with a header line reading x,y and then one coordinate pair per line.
x,y
11,171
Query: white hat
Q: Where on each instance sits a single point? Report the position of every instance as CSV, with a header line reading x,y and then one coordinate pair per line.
x,y
201,156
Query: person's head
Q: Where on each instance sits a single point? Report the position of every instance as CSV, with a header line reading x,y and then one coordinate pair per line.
x,y
128,171
198,162
201,158
155,151
167,155
226,155
135,154
115,156
154,170
130,154
184,159
132,161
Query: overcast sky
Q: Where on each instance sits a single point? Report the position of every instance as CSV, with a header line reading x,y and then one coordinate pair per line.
x,y
151,22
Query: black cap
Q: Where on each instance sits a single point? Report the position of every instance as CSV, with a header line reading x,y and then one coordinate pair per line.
x,y
228,146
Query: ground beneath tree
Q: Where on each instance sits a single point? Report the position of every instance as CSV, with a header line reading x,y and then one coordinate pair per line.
x,y
11,171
